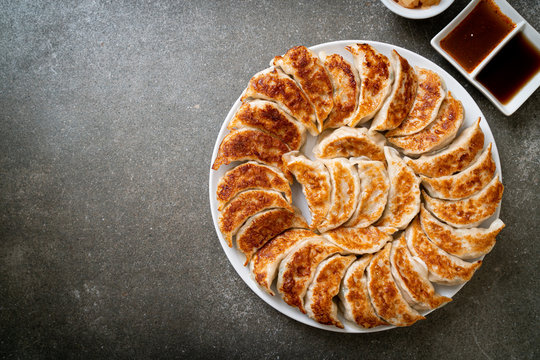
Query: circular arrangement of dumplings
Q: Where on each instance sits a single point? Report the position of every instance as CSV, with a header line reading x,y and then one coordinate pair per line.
x,y
395,194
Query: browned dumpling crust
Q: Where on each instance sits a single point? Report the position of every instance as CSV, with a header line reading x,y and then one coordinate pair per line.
x,y
374,196
345,192
443,268
385,296
316,185
468,212
399,103
320,305
346,85
350,142
465,183
358,240
456,157
307,69
245,205
376,78
412,278
463,243
404,195
354,296
438,134
429,97
270,118
265,262
272,84
250,175
298,269
264,226
248,144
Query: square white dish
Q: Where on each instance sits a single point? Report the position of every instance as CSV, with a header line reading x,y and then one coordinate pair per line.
x,y
521,26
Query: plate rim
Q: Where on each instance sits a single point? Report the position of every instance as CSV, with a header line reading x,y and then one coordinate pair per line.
x,y
279,305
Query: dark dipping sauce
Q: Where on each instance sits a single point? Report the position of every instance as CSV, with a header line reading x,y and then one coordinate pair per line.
x,y
511,68
477,34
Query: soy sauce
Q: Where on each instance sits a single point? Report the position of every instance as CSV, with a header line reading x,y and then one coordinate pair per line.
x,y
477,34
511,68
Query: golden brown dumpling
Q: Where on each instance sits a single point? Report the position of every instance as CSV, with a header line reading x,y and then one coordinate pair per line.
x,y
465,183
468,212
346,83
297,270
438,134
273,85
376,78
320,305
443,268
249,144
385,296
265,263
463,243
429,97
399,102
456,157
268,117
308,71
249,176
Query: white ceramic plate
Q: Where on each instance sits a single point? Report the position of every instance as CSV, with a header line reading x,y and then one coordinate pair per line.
x,y
521,26
417,13
472,112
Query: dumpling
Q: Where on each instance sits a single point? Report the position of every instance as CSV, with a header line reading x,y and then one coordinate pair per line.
x,y
455,157
411,277
358,240
354,296
443,268
429,97
468,212
250,175
269,117
438,134
376,78
345,192
308,71
375,187
245,205
399,103
463,243
316,185
265,262
385,296
320,305
249,144
465,183
346,85
404,196
264,226
273,85
297,270
350,142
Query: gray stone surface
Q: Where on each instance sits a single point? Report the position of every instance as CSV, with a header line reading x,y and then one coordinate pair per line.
x,y
109,112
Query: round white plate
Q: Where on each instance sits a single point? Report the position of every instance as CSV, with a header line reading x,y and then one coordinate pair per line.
x,y
472,112
417,13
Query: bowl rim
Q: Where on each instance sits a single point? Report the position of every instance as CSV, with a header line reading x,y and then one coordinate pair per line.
x,y
417,13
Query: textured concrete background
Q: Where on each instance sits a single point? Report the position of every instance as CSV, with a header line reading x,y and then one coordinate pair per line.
x,y
109,112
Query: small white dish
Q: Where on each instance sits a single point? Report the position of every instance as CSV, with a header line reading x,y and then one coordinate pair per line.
x,y
521,26
417,13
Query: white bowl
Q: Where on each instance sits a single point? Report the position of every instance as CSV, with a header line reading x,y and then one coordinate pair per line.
x,y
417,13
521,26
